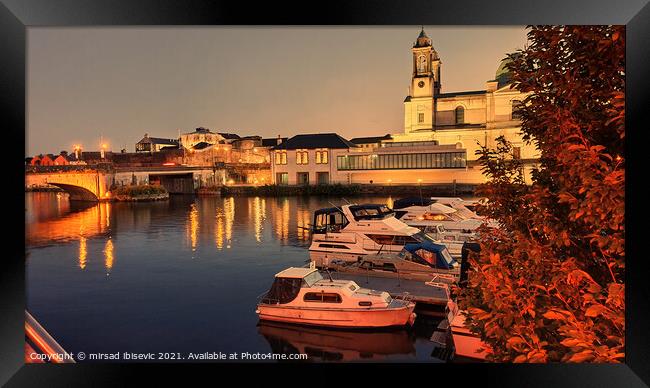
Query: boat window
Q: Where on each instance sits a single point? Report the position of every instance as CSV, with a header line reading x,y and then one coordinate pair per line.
x,y
387,239
434,217
312,278
322,297
428,257
370,212
283,290
329,220
447,256
389,267
365,303
333,246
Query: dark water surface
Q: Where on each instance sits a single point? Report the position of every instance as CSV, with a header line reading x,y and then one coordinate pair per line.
x,y
183,276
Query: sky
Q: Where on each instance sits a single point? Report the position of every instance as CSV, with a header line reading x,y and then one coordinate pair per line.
x,y
118,83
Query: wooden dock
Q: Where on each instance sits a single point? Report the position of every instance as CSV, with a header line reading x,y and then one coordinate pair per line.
x,y
430,300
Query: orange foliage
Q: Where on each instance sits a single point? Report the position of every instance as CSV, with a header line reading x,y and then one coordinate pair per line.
x,y
549,285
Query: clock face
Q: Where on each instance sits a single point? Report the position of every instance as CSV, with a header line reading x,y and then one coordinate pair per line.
x,y
421,84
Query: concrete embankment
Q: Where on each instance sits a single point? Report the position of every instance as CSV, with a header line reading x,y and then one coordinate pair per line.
x,y
141,198
429,190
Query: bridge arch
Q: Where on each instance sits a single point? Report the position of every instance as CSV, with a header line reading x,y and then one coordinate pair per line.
x,y
77,193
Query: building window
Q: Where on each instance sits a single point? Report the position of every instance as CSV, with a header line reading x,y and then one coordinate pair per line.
x,y
516,152
281,157
420,118
402,161
322,178
303,178
460,115
302,157
516,106
321,157
282,178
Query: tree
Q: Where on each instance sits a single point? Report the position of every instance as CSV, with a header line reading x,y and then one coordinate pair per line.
x,y
549,285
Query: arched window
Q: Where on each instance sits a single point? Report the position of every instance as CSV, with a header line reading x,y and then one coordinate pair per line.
x,y
516,106
460,115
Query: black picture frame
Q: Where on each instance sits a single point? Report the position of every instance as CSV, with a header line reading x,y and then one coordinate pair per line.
x,y
18,15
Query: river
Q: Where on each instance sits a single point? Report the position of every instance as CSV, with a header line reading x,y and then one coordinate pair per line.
x,y
183,276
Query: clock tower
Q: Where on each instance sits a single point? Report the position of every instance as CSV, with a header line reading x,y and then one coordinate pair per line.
x,y
425,85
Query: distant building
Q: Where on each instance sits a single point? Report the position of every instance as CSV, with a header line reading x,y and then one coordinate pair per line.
x,y
154,144
469,119
201,135
370,142
307,159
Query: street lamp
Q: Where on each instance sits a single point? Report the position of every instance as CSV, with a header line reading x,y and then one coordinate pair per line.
x,y
420,187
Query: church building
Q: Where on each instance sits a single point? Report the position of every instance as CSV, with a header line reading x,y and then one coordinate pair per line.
x,y
466,118
442,132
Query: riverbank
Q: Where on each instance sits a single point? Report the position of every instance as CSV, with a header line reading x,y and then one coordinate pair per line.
x,y
140,193
429,190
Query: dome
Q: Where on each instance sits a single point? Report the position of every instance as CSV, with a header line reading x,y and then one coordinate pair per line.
x,y
503,70
503,75
423,40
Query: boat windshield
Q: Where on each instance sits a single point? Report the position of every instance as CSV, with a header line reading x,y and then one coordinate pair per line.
x,y
423,237
312,278
370,212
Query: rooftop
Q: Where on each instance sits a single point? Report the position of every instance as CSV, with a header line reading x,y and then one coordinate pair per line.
x,y
317,140
158,140
229,136
372,139
295,272
453,94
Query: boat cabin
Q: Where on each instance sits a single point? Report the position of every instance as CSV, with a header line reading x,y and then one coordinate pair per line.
x,y
329,220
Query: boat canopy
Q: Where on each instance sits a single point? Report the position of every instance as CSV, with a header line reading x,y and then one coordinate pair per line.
x,y
412,201
287,284
329,219
370,212
435,255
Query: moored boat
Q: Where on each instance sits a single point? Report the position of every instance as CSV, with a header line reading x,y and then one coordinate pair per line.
x,y
303,296
418,261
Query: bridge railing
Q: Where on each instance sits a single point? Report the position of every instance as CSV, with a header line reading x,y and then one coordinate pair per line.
x,y
69,168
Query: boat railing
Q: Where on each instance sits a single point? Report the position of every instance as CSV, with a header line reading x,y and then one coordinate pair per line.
x,y
43,343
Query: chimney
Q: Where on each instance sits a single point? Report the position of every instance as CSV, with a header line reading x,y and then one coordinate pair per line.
x,y
279,140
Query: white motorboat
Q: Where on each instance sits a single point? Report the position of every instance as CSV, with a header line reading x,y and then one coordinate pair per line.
x,y
351,231
425,213
302,296
420,261
466,343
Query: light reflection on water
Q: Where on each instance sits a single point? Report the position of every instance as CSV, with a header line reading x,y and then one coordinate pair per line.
x,y
181,276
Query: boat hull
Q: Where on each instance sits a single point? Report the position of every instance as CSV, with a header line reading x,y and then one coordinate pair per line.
x,y
343,318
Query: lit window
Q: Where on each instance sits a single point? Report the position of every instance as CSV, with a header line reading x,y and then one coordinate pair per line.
x,y
318,157
420,118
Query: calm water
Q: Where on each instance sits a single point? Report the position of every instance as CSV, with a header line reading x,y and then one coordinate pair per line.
x,y
183,276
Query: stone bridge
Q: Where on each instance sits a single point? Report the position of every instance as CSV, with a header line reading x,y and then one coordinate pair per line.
x,y
81,182
93,183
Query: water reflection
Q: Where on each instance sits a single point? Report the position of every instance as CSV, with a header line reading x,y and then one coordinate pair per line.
x,y
209,223
73,224
144,249
83,252
336,345
108,255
